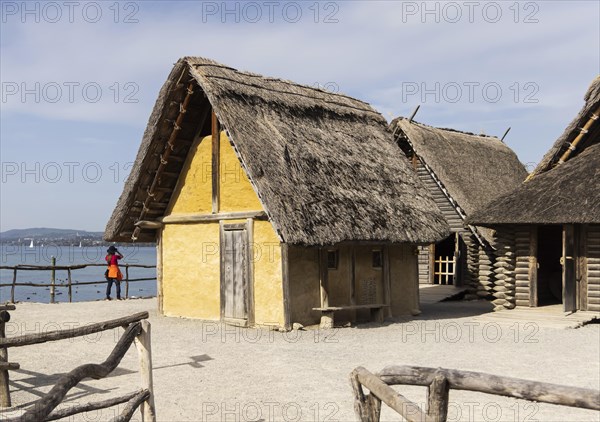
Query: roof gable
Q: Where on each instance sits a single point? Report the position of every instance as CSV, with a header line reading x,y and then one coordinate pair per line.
x,y
324,165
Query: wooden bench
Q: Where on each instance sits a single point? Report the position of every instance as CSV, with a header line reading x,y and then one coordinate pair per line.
x,y
327,318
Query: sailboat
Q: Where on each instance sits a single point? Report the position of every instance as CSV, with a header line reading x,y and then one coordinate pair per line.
x,y
31,244
80,244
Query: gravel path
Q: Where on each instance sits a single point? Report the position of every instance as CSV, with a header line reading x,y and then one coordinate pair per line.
x,y
204,371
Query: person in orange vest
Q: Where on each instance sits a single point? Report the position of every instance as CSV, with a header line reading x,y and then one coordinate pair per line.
x,y
113,273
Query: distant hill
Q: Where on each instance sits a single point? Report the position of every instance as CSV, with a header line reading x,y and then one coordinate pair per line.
x,y
47,233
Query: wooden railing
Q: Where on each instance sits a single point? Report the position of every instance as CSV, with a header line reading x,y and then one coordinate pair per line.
x,y
439,381
69,285
137,331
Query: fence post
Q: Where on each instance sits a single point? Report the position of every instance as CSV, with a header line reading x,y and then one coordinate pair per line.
x,y
70,284
14,285
52,279
437,397
366,407
144,348
126,281
4,387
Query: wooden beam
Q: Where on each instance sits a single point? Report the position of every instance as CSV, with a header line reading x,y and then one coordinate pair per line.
x,y
387,280
159,271
407,409
323,278
147,224
492,384
285,275
216,162
533,266
29,339
4,367
250,292
143,346
207,218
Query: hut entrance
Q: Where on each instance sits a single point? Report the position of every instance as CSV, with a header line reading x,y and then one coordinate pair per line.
x,y
444,263
549,273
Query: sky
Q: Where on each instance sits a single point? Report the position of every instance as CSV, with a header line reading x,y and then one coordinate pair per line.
x,y
79,79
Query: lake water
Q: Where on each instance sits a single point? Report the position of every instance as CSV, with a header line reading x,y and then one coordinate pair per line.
x,y
74,255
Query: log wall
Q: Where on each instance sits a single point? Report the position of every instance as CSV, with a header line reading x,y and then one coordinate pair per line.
x,y
524,260
593,267
503,289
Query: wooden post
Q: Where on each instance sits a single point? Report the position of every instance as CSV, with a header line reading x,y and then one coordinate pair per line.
x,y
216,173
14,284
126,281
387,283
4,387
144,348
159,284
52,279
70,284
438,394
366,407
285,272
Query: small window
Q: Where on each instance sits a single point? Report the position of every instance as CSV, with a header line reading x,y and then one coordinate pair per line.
x,y
377,259
332,260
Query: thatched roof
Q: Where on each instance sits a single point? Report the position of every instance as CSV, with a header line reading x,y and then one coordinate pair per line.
x,y
324,165
558,194
592,104
474,169
567,194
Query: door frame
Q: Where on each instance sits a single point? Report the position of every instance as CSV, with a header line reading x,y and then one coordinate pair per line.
x,y
569,268
248,229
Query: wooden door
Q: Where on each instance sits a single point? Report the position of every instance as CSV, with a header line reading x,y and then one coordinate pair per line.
x,y
569,289
234,274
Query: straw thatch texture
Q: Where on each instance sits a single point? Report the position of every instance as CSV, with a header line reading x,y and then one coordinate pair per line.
x,y
475,169
567,194
324,165
592,101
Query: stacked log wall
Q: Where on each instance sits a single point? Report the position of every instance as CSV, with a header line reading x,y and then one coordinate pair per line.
x,y
593,268
485,277
503,289
471,281
524,260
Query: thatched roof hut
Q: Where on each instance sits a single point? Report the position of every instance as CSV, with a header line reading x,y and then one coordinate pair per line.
x,y
463,171
567,194
475,169
549,227
556,193
324,165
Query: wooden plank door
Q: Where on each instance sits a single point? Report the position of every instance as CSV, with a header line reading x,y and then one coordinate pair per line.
x,y
234,274
569,290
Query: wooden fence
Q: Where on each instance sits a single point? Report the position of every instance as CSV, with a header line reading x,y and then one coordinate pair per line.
x,y
137,331
439,381
69,285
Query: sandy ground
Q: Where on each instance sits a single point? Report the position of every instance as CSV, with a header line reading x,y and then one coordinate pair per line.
x,y
205,371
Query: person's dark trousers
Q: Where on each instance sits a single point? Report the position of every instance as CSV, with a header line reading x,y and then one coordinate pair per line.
x,y
109,287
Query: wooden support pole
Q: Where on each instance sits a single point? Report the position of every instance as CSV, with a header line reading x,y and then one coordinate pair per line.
x,y
216,168
159,281
52,279
14,284
4,386
70,285
387,283
126,281
438,394
143,345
